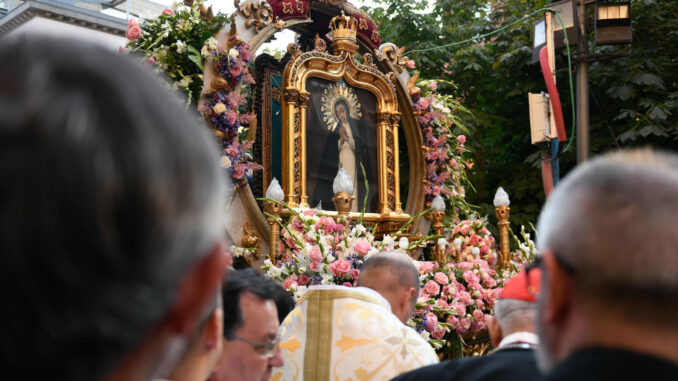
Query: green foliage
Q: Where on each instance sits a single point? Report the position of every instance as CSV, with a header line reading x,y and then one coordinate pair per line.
x,y
633,99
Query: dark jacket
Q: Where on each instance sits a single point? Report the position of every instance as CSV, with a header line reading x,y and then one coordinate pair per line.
x,y
506,364
613,364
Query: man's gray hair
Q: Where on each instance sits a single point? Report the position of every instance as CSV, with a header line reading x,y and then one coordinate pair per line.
x,y
514,314
613,219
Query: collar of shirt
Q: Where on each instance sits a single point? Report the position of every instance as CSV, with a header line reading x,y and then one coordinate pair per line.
x,y
519,337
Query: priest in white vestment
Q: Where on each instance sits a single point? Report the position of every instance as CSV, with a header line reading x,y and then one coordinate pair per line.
x,y
343,333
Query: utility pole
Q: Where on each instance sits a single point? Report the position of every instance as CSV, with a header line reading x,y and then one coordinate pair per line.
x,y
582,86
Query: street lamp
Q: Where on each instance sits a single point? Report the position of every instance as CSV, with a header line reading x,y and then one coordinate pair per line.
x,y
613,23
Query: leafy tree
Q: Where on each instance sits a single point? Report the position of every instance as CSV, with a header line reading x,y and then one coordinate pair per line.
x,y
633,97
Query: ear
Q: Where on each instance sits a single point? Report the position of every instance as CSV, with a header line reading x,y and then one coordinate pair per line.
x,y
214,330
405,301
495,331
199,284
556,295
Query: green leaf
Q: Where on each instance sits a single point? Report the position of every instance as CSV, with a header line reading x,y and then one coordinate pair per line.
x,y
196,59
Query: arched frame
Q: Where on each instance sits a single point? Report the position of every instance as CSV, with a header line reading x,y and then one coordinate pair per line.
x,y
254,23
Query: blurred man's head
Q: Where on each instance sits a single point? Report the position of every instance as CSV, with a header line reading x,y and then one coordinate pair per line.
x,y
111,207
609,237
250,346
394,276
516,307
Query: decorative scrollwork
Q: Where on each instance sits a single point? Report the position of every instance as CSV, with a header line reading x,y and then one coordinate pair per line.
x,y
258,13
294,50
392,54
369,60
291,96
320,44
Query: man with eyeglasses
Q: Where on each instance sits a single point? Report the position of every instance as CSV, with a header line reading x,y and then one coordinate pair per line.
x,y
513,337
250,345
609,241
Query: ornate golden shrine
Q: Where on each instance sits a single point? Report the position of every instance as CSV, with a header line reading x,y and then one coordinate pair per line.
x,y
342,64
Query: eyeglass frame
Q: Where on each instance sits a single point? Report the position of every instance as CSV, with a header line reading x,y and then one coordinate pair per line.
x,y
270,348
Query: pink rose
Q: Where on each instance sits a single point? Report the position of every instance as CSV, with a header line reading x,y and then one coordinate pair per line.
x,y
441,278
425,267
235,70
239,171
289,283
433,86
167,11
231,117
308,212
340,267
410,64
474,240
303,280
465,298
430,321
454,163
423,102
460,309
470,277
362,247
461,139
478,315
453,320
432,287
442,304
314,266
133,33
315,254
438,332
347,284
355,273
132,22
464,325
464,266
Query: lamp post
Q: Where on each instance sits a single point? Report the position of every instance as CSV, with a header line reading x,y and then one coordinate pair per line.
x,y
274,192
501,206
343,192
437,216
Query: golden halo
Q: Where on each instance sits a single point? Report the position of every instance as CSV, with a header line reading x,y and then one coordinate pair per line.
x,y
331,95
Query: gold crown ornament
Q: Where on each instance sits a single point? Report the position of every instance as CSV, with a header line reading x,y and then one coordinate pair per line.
x,y
344,30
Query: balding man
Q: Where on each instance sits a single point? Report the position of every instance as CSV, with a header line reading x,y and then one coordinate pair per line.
x,y
512,331
609,242
343,333
395,278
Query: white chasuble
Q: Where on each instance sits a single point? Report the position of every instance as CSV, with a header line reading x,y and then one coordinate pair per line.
x,y
340,333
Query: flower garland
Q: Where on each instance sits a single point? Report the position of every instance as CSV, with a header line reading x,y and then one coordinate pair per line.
x,y
225,107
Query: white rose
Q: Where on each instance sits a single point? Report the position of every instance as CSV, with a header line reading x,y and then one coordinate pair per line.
x,y
233,53
225,162
219,108
475,251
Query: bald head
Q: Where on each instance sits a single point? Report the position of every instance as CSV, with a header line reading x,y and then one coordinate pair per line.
x,y
394,276
613,220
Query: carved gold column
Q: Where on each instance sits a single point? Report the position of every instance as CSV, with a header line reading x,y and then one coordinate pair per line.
x,y
395,121
289,132
383,127
501,205
303,103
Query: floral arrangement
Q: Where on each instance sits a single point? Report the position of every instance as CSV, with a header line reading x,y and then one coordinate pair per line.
x,y
177,42
225,107
455,300
317,249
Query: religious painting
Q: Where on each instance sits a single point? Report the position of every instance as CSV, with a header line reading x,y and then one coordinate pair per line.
x,y
341,132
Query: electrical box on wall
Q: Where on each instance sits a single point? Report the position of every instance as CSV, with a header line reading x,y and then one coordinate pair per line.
x,y
542,130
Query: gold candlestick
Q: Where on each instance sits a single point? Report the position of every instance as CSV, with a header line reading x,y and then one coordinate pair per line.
x,y
437,218
273,209
343,202
503,214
